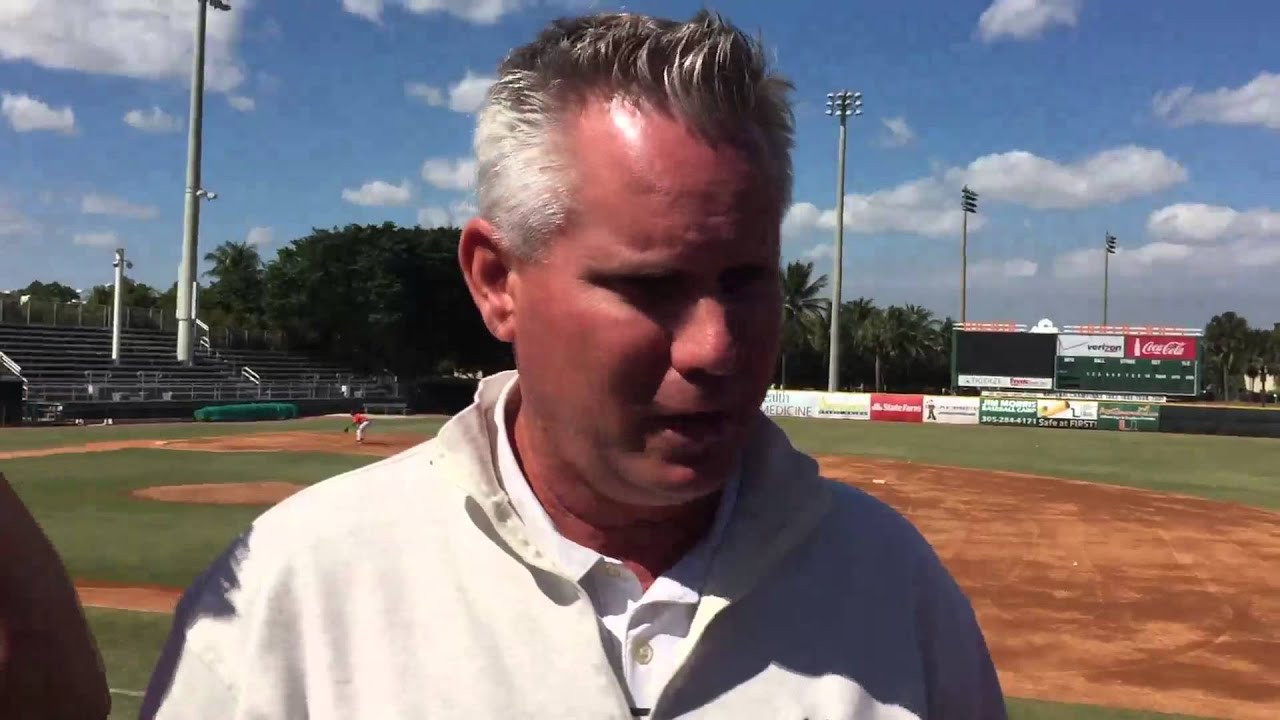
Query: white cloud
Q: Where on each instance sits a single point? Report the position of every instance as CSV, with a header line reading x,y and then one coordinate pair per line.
x,y
96,204
1198,223
1190,240
379,193
1026,19
800,221
464,96
899,133
1255,103
153,120
13,222
27,114
456,215
260,236
929,206
368,9
481,12
996,270
143,39
1107,177
428,94
98,239
241,103
459,174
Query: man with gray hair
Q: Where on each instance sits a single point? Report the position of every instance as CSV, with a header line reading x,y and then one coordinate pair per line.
x,y
612,530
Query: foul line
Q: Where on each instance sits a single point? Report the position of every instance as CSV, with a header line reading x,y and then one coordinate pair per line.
x,y
130,693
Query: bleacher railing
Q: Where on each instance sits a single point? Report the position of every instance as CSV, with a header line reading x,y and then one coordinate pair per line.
x,y
158,389
85,315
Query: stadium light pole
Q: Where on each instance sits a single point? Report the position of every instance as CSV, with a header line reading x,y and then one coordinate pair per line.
x,y
968,205
840,105
117,303
1109,250
191,215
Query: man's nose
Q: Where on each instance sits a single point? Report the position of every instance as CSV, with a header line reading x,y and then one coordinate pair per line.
x,y
704,342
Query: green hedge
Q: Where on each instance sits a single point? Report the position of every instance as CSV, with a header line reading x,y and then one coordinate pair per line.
x,y
248,411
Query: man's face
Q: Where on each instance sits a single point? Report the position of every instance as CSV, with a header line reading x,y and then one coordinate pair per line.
x,y
647,335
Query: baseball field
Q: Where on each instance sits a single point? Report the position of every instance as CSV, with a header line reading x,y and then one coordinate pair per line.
x,y
1116,575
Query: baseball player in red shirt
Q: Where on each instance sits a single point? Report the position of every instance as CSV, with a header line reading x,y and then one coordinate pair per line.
x,y
360,421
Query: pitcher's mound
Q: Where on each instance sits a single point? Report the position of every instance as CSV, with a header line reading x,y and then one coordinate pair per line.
x,y
256,493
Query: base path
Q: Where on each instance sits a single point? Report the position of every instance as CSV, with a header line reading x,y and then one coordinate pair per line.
x,y
1105,595
139,598
1087,593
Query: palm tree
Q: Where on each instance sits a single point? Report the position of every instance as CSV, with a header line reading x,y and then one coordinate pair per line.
x,y
885,336
803,312
238,287
1263,359
854,337
1227,341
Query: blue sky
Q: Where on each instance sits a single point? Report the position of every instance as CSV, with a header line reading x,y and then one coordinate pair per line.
x,y
1158,122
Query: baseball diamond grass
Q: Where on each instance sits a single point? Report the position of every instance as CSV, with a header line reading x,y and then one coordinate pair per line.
x,y
35,438
83,501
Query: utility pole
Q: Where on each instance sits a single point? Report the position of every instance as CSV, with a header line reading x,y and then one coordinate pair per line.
x,y
117,303
1110,249
968,205
193,192
841,105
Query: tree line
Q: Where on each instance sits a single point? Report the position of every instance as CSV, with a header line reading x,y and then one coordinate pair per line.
x,y
389,299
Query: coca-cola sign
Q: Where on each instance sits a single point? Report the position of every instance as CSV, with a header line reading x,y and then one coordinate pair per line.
x,y
1160,347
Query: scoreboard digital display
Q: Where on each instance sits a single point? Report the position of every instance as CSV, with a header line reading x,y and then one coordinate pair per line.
x,y
1158,364
1128,375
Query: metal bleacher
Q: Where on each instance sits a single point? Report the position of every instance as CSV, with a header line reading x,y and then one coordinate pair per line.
x,y
60,363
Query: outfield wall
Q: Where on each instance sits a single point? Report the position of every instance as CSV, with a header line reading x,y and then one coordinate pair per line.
x,y
1046,412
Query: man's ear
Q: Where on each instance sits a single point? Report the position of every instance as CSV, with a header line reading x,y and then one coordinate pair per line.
x,y
488,273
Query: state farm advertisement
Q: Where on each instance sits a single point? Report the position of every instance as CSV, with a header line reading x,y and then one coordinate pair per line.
x,y
897,408
1160,347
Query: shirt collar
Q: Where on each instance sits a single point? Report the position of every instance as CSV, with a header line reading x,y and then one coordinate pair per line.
x,y
687,575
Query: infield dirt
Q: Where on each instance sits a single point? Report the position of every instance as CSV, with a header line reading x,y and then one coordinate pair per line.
x,y
1087,593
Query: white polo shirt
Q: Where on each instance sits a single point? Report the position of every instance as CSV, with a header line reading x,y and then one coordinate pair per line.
x,y
644,626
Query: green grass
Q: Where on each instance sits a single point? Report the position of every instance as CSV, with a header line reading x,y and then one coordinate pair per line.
x,y
1235,469
33,438
1038,710
82,501
130,643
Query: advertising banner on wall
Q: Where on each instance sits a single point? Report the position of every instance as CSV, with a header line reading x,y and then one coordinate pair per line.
x,y
1160,347
1060,413
1007,411
1133,417
1091,346
897,408
844,406
1004,382
951,410
790,403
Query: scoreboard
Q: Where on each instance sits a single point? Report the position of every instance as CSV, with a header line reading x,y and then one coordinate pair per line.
x,y
1146,361
1128,375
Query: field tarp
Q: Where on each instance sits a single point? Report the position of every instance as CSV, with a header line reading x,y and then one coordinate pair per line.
x,y
247,412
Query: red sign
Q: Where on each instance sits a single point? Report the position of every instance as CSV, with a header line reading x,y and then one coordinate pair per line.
x,y
1160,347
897,408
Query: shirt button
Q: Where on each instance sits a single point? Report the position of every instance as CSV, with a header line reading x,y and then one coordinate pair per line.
x,y
644,654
